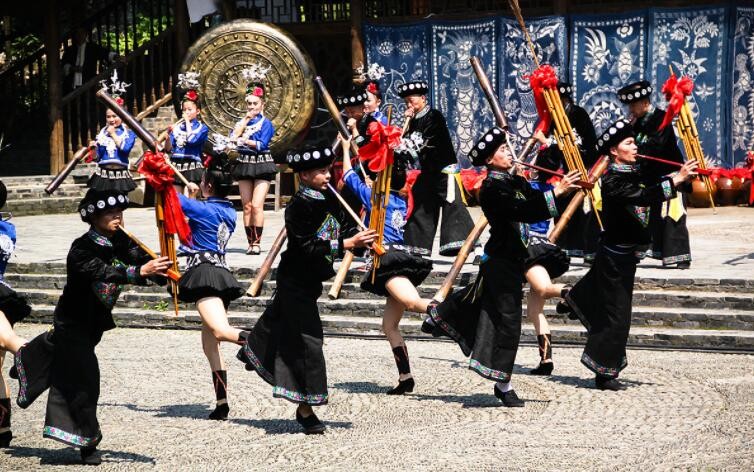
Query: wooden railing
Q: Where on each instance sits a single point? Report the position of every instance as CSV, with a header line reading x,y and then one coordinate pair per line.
x,y
149,71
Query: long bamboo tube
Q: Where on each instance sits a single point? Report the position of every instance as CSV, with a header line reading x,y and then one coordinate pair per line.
x,y
264,269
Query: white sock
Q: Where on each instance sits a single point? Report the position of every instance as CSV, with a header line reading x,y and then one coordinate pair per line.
x,y
504,386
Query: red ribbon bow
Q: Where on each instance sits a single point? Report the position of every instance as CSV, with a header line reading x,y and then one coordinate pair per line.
x,y
543,77
472,180
378,152
411,176
675,92
159,175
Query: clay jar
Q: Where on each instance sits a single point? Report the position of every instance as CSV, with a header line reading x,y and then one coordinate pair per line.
x,y
698,197
728,189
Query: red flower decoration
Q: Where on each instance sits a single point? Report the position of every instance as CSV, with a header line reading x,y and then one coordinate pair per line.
x,y
258,92
542,78
675,92
191,95
120,101
378,152
372,88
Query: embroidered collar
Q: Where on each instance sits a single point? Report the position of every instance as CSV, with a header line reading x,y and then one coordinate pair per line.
x,y
499,175
623,168
423,111
311,193
185,131
99,239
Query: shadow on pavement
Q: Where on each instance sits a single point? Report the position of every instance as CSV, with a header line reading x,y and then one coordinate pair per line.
x,y
361,387
285,426
70,456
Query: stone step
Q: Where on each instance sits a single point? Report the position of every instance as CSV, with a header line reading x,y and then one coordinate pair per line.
x,y
701,318
686,285
43,206
738,340
352,292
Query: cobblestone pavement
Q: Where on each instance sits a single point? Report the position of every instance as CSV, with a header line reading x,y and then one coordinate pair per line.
x,y
683,410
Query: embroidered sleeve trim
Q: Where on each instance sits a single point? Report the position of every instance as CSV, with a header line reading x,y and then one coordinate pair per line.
x,y
551,206
132,274
334,247
667,189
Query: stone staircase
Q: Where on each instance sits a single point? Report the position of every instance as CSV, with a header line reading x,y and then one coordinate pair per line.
x,y
674,313
26,195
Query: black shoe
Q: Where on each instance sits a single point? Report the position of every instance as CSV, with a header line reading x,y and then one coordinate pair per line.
x,y
509,398
544,368
13,372
311,424
241,356
563,308
428,326
684,265
606,383
5,439
404,386
90,456
220,413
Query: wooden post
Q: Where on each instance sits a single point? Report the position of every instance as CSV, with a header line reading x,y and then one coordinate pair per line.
x,y
181,31
54,85
357,47
228,9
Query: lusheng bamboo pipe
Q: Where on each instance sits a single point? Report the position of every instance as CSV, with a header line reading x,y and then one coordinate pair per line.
x,y
264,269
672,163
172,274
63,174
460,260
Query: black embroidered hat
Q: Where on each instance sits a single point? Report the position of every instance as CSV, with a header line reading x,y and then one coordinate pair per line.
x,y
3,194
313,157
486,146
634,92
356,96
96,201
613,135
564,88
415,87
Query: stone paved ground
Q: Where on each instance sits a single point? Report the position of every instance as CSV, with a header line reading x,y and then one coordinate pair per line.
x,y
683,410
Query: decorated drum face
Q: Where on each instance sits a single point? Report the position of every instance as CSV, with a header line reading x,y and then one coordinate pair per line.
x,y
224,52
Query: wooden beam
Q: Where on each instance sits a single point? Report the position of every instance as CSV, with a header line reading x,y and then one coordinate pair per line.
x,y
228,9
357,47
54,84
181,31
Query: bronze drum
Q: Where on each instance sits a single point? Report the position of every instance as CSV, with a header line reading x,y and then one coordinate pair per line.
x,y
224,51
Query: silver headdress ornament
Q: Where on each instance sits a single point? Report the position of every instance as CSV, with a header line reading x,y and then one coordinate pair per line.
x,y
117,87
255,73
375,72
189,81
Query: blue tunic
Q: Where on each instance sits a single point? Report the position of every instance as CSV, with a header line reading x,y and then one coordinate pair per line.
x,y
395,214
212,223
7,244
379,116
108,152
540,227
260,130
188,143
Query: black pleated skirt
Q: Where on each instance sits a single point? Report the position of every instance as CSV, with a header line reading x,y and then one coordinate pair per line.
x,y
396,263
111,180
208,280
548,255
255,167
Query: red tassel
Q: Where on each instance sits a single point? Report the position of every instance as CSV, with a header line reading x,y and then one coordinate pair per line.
x,y
675,92
378,152
411,177
159,175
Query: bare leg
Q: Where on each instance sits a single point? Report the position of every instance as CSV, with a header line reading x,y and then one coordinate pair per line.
x,y
211,347
404,292
214,317
9,340
261,187
541,288
246,190
4,387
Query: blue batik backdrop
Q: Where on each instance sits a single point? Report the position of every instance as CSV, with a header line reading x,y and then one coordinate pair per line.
x,y
549,37
404,53
606,54
713,46
693,42
742,99
455,88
